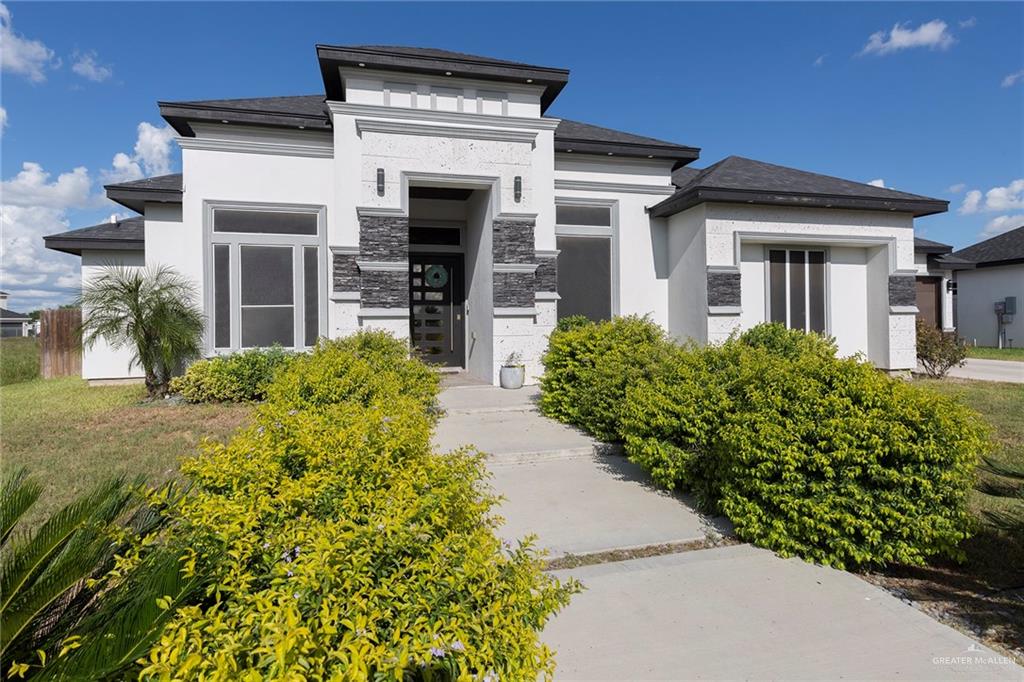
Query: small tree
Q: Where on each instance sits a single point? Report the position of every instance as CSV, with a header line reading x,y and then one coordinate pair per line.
x,y
938,352
151,311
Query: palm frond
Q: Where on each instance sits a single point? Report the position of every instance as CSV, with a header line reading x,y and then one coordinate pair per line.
x,y
17,495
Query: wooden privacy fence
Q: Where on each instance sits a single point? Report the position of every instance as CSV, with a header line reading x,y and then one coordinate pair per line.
x,y
60,348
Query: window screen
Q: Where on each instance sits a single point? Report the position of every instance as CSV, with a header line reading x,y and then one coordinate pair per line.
x,y
584,277
221,296
600,216
267,296
311,295
264,222
796,283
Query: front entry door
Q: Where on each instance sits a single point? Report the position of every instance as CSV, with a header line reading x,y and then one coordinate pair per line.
x,y
436,307
929,301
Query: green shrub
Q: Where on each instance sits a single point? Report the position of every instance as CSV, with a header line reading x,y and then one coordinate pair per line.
x,y
836,462
240,377
587,368
365,367
573,322
343,548
938,352
787,343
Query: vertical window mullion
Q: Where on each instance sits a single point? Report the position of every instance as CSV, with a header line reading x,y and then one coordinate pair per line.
x,y
236,299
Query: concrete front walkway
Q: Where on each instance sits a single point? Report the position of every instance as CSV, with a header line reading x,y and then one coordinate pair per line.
x,y
557,482
742,613
725,613
990,370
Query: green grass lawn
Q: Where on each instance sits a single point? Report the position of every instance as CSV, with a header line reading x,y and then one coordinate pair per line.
x,y
19,359
72,436
996,353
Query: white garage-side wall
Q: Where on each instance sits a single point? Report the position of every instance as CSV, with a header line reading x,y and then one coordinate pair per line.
x,y
977,291
863,248
688,282
101,361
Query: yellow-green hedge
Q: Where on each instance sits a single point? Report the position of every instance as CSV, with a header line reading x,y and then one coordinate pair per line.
x,y
343,548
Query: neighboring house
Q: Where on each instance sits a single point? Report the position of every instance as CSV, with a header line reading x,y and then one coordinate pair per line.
x,y
428,193
990,274
934,284
12,323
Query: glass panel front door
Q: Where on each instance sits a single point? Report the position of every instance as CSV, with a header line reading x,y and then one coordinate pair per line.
x,y
436,305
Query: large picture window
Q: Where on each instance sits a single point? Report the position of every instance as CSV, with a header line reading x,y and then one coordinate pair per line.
x,y
796,285
585,238
265,277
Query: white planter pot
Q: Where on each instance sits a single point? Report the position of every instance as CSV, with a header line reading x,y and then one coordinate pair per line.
x,y
513,377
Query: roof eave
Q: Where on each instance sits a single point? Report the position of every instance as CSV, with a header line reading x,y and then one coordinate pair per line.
x,y
332,57
681,155
180,115
698,195
75,245
136,199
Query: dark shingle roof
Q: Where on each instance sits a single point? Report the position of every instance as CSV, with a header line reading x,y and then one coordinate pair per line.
x,y
435,53
739,180
124,235
311,112
922,245
11,316
1003,249
585,138
135,194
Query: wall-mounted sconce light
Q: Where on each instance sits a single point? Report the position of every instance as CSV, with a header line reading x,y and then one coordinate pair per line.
x,y
950,286
518,186
380,182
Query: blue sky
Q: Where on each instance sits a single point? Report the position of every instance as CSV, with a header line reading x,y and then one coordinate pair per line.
x,y
927,97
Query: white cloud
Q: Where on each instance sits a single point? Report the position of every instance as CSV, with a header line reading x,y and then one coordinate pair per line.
x,y
820,60
972,202
1012,79
970,22
32,187
36,204
1005,198
29,58
151,155
878,182
1003,223
87,67
957,188
933,35
3,120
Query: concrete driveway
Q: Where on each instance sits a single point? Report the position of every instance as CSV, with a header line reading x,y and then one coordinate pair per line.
x,y
990,370
724,613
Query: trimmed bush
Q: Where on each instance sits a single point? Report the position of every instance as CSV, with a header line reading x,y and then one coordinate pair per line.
x,y
237,378
587,368
938,352
343,548
807,454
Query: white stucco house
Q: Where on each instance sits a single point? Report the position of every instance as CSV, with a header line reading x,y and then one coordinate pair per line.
x,y
989,280
433,194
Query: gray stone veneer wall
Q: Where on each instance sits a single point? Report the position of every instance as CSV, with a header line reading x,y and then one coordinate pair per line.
x,y
902,290
723,288
547,274
384,239
384,289
513,241
514,289
346,272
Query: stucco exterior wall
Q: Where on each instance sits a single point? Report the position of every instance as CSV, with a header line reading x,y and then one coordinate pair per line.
x,y
977,292
687,281
102,361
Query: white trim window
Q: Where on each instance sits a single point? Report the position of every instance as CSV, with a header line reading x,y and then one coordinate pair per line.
x,y
796,288
266,276
586,236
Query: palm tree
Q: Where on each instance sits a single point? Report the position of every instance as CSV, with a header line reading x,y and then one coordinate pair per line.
x,y
57,595
150,310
